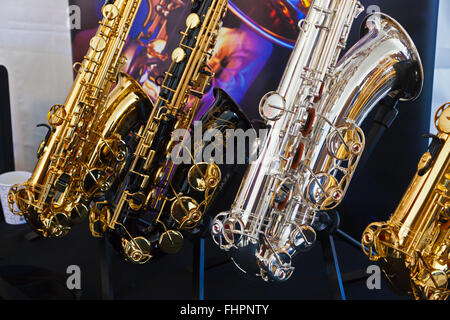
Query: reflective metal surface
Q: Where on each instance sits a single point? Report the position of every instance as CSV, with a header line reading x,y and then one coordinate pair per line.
x,y
57,194
315,140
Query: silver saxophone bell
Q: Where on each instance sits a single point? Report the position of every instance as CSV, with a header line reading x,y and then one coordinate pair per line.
x,y
315,141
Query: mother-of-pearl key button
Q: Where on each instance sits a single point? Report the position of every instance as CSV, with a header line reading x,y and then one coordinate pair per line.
x,y
97,43
178,55
110,11
192,21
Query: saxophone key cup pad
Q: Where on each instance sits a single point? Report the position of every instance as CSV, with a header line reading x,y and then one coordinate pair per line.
x,y
185,211
227,230
96,180
55,225
112,151
308,121
442,118
136,201
110,11
217,230
204,176
97,43
302,238
278,266
272,106
56,115
171,241
321,189
192,21
178,55
344,143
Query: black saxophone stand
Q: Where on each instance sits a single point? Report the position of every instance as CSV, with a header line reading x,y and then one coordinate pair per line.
x,y
104,256
327,223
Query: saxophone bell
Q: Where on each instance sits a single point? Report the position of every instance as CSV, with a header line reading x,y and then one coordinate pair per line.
x,y
413,246
315,140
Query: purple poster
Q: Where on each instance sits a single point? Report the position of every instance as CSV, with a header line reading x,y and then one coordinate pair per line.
x,y
253,32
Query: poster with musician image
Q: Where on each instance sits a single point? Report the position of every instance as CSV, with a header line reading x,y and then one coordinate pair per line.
x,y
255,36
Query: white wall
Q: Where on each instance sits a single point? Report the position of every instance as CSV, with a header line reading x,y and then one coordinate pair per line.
x,y
35,48
441,93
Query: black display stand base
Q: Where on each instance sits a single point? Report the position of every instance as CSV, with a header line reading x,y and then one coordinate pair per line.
x,y
105,269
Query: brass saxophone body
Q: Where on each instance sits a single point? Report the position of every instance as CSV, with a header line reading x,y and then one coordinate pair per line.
x,y
58,193
155,202
315,138
413,246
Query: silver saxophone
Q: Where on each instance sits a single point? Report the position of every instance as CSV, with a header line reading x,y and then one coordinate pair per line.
x,y
314,142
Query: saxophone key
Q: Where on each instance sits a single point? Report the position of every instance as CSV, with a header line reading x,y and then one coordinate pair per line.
x,y
98,43
56,115
110,11
137,250
192,21
178,55
148,159
171,241
272,106
298,157
136,201
309,121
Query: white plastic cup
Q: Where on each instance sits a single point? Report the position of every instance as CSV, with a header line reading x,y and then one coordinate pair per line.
x,y
7,180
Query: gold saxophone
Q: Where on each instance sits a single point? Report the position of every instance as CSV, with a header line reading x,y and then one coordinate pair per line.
x,y
413,247
65,178
155,203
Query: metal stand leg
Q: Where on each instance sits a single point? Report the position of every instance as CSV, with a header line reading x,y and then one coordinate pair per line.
x,y
332,266
198,271
350,240
105,270
328,225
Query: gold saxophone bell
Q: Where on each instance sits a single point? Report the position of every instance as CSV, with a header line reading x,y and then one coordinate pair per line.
x,y
137,250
